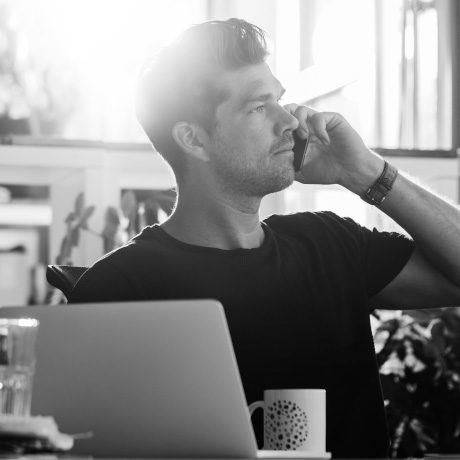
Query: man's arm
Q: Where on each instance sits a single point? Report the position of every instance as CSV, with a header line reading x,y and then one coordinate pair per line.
x,y
337,155
431,278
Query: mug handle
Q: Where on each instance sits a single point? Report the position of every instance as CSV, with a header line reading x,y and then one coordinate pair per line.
x,y
255,405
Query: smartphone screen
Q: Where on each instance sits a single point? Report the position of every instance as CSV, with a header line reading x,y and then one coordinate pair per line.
x,y
300,150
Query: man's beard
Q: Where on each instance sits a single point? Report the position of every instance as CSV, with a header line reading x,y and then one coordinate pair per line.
x,y
252,180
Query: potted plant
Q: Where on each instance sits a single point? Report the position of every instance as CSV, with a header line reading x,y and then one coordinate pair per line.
x,y
418,354
135,212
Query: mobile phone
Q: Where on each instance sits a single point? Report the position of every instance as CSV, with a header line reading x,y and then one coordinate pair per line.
x,y
300,150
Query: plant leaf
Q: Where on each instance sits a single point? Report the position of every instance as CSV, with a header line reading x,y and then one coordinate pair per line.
x,y
79,203
87,213
129,204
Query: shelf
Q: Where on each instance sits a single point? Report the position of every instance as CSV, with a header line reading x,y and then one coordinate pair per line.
x,y
25,214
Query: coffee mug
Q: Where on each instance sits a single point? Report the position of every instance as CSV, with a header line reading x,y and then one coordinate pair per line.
x,y
293,419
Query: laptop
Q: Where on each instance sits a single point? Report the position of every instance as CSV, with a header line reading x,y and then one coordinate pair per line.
x,y
146,379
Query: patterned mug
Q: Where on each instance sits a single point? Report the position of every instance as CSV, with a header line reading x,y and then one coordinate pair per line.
x,y
293,419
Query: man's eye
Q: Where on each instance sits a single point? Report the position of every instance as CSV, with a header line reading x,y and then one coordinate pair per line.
x,y
259,109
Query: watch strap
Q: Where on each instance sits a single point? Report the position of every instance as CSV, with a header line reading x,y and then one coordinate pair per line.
x,y
377,193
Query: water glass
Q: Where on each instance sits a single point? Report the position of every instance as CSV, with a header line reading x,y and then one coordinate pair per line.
x,y
17,364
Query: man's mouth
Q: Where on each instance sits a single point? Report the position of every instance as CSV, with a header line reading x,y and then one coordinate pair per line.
x,y
284,144
284,149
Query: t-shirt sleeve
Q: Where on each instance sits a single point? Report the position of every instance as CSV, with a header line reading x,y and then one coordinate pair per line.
x,y
374,258
383,254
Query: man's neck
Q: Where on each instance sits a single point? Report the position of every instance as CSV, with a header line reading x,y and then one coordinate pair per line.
x,y
217,222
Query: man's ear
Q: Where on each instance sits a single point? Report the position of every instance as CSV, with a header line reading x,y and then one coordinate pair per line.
x,y
191,138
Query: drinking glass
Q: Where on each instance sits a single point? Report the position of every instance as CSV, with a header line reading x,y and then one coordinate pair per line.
x,y
17,364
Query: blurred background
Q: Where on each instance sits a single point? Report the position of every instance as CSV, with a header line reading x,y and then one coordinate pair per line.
x,y
77,176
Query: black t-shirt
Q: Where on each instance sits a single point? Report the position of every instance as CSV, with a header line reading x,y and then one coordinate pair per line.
x,y
297,309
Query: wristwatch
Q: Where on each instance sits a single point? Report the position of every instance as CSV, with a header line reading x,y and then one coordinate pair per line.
x,y
377,193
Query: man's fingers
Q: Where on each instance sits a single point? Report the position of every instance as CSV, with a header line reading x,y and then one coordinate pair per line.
x,y
318,122
303,114
311,122
291,108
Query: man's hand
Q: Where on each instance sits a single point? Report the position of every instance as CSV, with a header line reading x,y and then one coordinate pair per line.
x,y
336,153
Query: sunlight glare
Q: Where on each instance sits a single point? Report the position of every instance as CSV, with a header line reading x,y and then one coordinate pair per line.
x,y
340,32
99,46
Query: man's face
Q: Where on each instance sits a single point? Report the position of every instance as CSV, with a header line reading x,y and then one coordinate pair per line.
x,y
251,145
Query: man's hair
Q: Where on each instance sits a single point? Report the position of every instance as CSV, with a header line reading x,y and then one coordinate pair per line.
x,y
182,82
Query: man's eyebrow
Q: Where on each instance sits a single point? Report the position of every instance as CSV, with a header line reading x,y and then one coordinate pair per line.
x,y
252,95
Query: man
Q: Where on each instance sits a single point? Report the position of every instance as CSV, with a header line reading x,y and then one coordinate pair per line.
x,y
297,289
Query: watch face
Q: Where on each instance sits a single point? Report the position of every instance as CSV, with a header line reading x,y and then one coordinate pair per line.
x,y
300,150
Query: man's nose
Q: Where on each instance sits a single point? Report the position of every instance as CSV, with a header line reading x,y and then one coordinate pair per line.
x,y
285,122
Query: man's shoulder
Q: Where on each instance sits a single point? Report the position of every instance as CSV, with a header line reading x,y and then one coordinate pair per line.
x,y
123,262
136,251
116,272
326,229
112,269
318,221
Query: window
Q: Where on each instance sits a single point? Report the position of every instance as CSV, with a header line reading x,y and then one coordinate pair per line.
x,y
379,63
67,68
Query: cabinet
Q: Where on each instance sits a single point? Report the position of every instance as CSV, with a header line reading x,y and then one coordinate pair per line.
x,y
102,171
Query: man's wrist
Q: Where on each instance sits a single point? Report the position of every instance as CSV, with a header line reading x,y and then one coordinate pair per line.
x,y
365,174
379,190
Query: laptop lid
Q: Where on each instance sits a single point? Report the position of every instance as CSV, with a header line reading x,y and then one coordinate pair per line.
x,y
148,379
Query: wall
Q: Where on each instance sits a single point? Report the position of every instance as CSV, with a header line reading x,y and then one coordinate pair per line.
x,y
102,173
